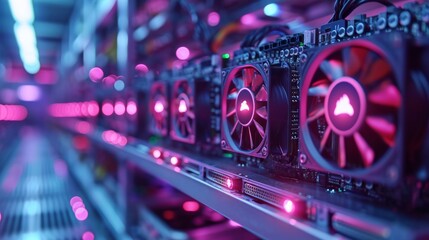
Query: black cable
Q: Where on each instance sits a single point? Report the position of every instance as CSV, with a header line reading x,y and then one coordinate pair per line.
x,y
338,5
255,37
351,5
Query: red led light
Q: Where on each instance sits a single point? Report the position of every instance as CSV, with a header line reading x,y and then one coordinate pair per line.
x,y
174,160
159,107
191,206
182,106
343,106
156,153
244,106
229,183
289,206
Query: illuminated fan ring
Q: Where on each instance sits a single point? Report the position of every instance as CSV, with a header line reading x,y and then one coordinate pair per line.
x,y
361,103
379,166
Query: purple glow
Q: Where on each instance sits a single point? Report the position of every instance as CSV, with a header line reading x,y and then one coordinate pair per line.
x,y
288,206
213,19
119,108
28,93
131,108
88,235
95,74
81,214
60,168
93,109
234,224
77,205
107,109
182,53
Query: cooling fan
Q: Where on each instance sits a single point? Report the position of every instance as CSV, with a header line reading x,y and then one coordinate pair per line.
x,y
182,112
245,109
158,107
351,108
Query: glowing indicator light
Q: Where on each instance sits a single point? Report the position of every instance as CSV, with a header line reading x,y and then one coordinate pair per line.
x,y
119,108
272,10
182,53
107,109
213,19
81,214
191,206
142,68
248,19
182,106
159,107
229,183
174,160
88,236
74,200
131,108
244,106
156,153
288,206
343,106
225,56
77,205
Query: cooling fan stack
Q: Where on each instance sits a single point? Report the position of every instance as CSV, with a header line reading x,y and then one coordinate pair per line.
x,y
353,107
183,112
158,107
249,95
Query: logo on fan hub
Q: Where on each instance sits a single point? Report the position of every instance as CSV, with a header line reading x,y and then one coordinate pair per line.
x,y
345,106
245,106
182,106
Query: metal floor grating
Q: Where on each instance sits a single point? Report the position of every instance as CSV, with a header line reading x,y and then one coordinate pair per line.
x,y
35,191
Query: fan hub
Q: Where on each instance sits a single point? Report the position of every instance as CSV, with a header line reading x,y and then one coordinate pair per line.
x,y
182,106
245,106
345,106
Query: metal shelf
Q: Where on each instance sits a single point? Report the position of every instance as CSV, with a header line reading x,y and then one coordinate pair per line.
x,y
346,213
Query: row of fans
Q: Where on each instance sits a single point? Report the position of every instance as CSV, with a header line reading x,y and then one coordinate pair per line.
x,y
355,116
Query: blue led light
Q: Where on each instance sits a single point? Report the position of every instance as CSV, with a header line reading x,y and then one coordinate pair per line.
x,y
272,10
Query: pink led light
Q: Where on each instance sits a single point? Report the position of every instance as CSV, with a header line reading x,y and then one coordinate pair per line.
x,y
159,107
229,183
156,153
182,53
244,106
213,19
93,109
107,108
0,216
119,108
131,108
343,106
3,112
288,206
174,160
141,68
248,19
191,206
88,236
77,205
122,141
95,74
74,200
84,109
83,127
81,214
182,106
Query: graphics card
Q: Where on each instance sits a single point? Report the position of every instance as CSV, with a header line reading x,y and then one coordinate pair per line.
x,y
194,105
159,107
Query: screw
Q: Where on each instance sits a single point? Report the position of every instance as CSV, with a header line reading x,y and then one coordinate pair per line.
x,y
265,66
303,158
264,151
223,73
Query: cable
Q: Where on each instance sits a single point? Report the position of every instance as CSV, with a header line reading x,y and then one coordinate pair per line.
x,y
351,5
338,5
255,37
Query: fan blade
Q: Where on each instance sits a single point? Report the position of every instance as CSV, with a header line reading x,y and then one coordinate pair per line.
x,y
384,128
386,94
238,82
262,112
325,138
365,150
241,137
248,75
260,129
332,69
262,95
190,114
232,112
257,82
377,69
188,127
233,128
317,113
353,59
182,128
250,137
319,91
342,152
